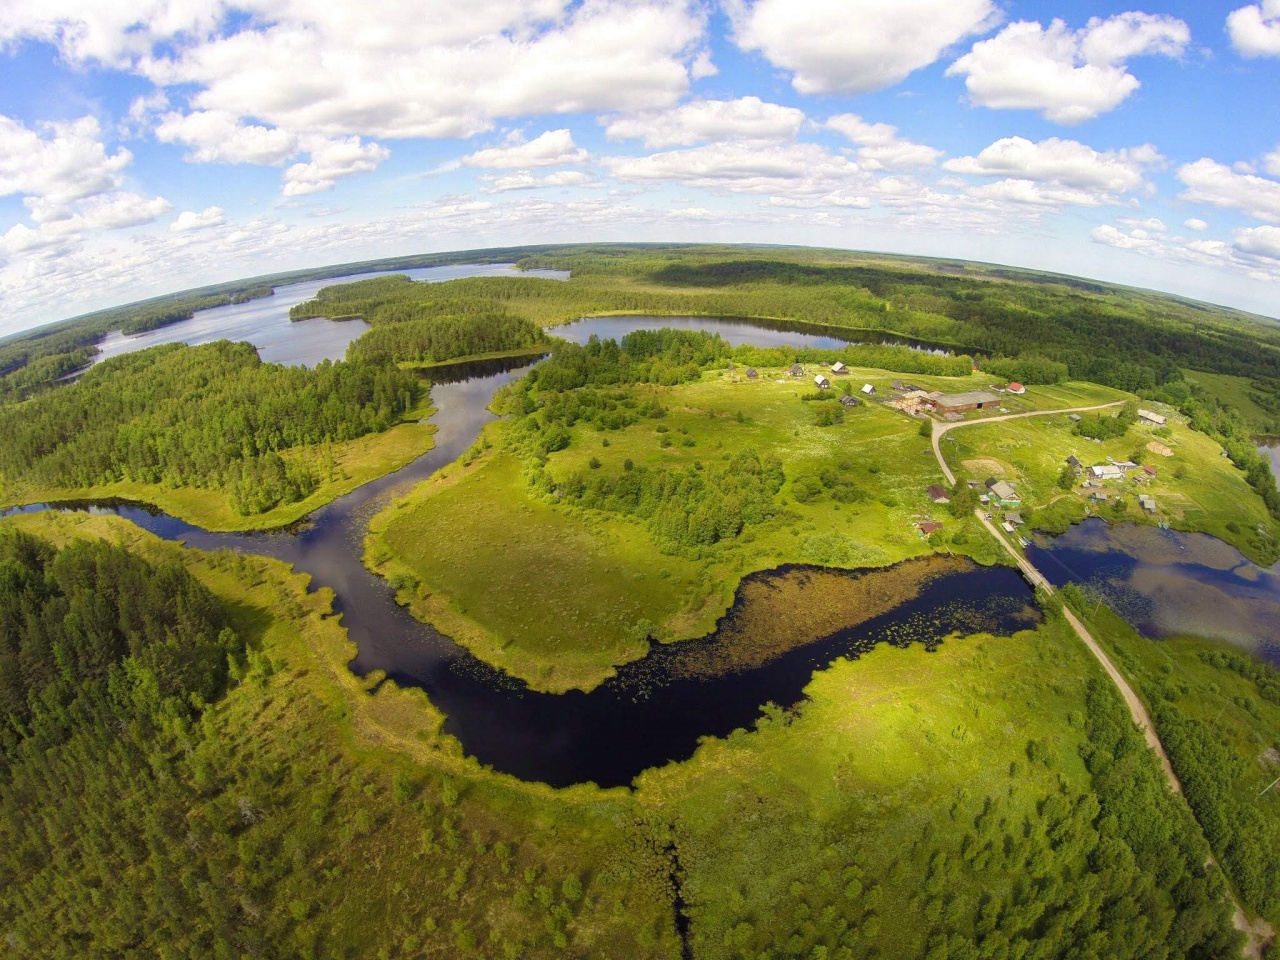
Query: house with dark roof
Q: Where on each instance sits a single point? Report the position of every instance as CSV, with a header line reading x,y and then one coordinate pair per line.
x,y
938,493
751,373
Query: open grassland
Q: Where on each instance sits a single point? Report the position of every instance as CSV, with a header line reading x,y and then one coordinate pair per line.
x,y
1218,713
335,820
1244,395
340,468
560,595
1196,489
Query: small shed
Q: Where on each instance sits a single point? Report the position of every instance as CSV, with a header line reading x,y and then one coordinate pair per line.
x,y
1152,419
899,386
938,493
751,373
1149,470
849,400
821,382
1008,527
796,370
930,527
1075,418
1159,449
1014,517
1074,463
1147,503
839,368
869,390
1016,387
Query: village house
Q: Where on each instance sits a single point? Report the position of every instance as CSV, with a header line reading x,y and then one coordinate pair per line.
x,y
797,370
1159,449
869,390
930,527
899,386
751,373
821,382
1075,418
938,493
1106,471
1074,463
1149,470
839,368
1004,494
1152,419
849,400
1013,517
964,402
1146,503
1016,387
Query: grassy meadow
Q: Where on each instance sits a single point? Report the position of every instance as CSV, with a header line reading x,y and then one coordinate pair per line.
x,y
573,592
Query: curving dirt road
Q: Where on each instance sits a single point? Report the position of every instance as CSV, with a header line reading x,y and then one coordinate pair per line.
x,y
1258,933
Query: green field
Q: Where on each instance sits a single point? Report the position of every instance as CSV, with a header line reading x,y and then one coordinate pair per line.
x,y
560,603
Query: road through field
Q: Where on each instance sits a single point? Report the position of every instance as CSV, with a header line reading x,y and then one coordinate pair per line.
x,y
1259,933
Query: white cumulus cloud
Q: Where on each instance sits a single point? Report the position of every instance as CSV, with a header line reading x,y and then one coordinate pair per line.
x,y
1068,75
1259,242
1208,181
550,149
880,147
1196,224
854,46
332,159
780,169
215,136
114,211
189,220
57,163
1255,29
524,180
747,118
1067,163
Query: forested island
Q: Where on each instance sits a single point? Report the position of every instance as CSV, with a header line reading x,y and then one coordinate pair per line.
x,y
191,767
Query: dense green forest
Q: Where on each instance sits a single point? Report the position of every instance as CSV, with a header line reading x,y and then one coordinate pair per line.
x,y
420,322
1217,711
196,793
213,417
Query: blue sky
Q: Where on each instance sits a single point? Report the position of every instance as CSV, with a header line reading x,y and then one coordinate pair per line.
x,y
148,146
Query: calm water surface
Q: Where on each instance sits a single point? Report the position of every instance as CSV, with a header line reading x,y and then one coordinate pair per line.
x,y
265,322
1167,583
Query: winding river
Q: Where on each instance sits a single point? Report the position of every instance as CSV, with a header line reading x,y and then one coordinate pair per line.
x,y
765,650
655,710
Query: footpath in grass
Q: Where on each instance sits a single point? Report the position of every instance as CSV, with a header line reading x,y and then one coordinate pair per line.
x,y
1217,711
